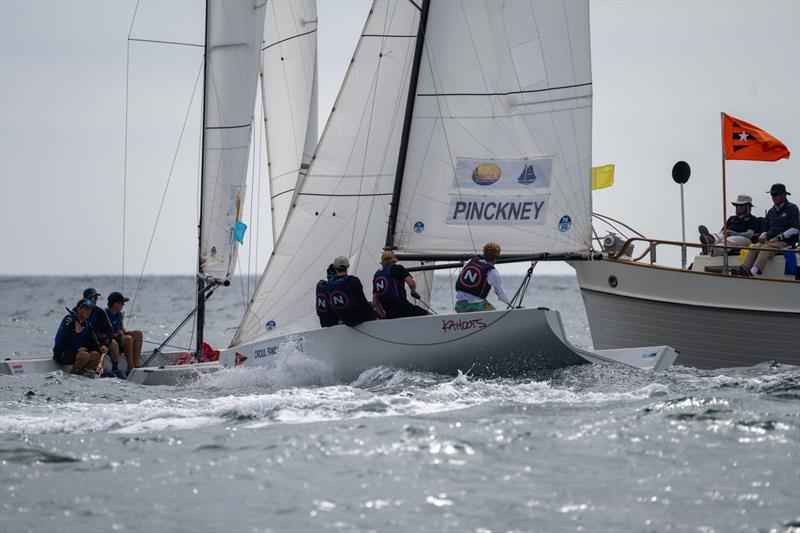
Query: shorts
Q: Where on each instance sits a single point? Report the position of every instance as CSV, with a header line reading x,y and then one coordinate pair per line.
x,y
463,306
65,356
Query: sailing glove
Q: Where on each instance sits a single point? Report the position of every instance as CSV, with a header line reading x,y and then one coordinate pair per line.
x,y
416,295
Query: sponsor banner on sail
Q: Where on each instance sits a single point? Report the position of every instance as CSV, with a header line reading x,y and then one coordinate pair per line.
x,y
516,174
491,210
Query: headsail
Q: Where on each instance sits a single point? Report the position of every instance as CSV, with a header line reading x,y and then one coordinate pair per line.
x,y
233,47
500,142
342,206
289,92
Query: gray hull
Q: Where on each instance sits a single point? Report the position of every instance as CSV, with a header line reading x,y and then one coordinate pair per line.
x,y
512,343
712,321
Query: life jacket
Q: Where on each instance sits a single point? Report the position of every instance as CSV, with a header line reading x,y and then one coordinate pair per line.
x,y
322,299
474,278
342,297
386,286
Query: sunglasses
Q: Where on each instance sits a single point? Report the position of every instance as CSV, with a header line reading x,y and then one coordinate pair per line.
x,y
776,193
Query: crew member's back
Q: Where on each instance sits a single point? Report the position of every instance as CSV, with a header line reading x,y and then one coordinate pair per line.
x,y
347,295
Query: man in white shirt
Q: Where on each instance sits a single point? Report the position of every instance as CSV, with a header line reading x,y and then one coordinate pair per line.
x,y
477,277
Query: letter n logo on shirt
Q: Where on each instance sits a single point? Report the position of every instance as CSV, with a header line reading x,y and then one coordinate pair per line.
x,y
471,277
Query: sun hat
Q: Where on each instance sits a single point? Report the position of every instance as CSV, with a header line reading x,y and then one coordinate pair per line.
x,y
778,188
743,199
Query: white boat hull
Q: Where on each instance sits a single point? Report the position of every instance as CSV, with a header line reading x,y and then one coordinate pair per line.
x,y
712,320
511,343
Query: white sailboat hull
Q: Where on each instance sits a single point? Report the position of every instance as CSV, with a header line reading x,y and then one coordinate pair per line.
x,y
510,343
714,321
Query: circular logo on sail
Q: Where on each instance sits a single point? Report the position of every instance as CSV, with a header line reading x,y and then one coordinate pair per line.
x,y
564,223
486,174
419,227
270,325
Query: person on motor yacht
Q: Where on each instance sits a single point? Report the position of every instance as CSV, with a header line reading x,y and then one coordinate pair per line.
x,y
477,277
738,231
389,291
781,229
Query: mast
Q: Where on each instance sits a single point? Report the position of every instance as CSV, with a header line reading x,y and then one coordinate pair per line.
x,y
412,93
201,282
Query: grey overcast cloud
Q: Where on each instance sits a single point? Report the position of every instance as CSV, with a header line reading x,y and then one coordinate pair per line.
x,y
662,73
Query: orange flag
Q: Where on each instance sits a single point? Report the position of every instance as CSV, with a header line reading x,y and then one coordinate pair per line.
x,y
744,141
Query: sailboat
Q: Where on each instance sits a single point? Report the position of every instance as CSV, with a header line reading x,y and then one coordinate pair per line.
x,y
444,106
243,40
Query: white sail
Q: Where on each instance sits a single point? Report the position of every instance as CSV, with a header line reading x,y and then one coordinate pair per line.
x,y
289,82
342,206
233,47
500,143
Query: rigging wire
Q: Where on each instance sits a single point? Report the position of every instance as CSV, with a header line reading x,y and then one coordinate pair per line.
x,y
125,145
166,187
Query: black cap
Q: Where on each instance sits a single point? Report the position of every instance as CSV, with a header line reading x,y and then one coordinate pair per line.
x,y
90,293
83,303
116,297
779,188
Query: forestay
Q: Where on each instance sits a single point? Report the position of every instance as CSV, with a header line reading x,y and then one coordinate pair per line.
x,y
289,92
500,142
342,206
233,47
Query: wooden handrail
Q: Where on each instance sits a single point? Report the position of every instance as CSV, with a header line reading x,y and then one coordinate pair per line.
x,y
656,242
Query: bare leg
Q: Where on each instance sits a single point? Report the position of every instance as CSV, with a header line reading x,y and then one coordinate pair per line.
x,y
127,349
83,360
138,339
113,350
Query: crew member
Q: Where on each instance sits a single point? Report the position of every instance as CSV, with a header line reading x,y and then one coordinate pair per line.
x,y
75,342
477,277
102,330
347,295
327,315
389,292
129,340
781,229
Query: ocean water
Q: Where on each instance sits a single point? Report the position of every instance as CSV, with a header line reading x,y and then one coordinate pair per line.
x,y
591,448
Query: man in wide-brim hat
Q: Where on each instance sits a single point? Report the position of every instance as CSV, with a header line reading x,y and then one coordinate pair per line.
x,y
738,231
781,228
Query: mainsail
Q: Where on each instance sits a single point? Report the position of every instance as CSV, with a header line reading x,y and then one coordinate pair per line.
x,y
498,148
342,206
233,46
289,92
500,143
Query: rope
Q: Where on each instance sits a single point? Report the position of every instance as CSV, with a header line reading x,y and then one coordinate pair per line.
x,y
125,146
166,187
523,288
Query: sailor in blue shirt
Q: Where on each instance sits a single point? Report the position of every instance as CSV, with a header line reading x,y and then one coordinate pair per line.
x,y
781,229
738,231
76,344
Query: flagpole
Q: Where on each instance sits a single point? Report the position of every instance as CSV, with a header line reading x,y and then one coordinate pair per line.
x,y
724,193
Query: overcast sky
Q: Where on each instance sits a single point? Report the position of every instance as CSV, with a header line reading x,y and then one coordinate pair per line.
x,y
662,72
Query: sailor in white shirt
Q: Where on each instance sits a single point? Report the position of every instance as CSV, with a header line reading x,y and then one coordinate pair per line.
x,y
477,277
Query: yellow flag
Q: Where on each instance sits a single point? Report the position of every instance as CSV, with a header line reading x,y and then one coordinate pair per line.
x,y
602,177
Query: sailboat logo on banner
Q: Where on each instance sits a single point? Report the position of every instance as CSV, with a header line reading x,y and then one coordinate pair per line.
x,y
527,176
